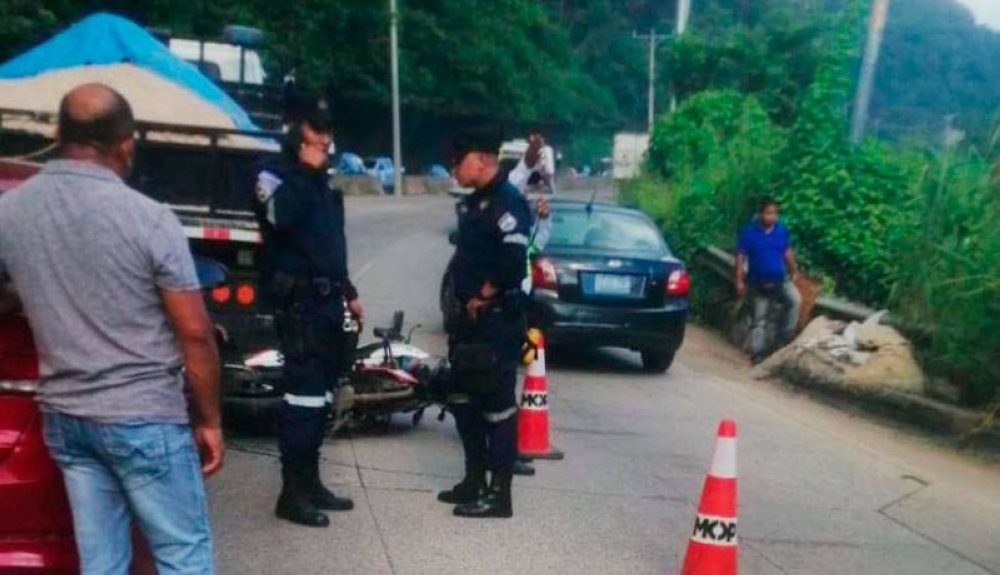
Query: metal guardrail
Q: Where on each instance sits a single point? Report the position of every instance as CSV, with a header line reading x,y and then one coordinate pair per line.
x,y
721,262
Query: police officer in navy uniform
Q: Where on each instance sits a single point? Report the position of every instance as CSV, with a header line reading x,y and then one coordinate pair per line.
x,y
305,251
488,269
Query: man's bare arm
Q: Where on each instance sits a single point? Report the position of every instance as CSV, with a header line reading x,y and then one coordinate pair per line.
x,y
793,266
196,337
739,269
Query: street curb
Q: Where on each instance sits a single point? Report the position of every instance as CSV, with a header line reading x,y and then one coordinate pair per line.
x,y
957,424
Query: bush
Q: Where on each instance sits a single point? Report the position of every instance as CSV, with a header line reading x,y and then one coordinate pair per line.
x,y
946,268
839,202
719,151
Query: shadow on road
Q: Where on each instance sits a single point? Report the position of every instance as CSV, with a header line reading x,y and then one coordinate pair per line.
x,y
594,361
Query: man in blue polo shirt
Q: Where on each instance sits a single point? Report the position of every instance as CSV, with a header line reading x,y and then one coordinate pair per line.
x,y
766,264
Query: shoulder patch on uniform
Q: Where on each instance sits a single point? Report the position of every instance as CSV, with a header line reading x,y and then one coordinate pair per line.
x,y
507,222
267,184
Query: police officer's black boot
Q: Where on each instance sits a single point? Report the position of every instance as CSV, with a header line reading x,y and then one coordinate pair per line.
x,y
295,503
322,497
495,502
467,490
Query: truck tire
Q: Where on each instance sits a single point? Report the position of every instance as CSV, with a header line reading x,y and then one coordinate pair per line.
x,y
250,401
251,415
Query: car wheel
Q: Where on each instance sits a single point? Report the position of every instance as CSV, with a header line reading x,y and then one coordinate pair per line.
x,y
250,401
657,361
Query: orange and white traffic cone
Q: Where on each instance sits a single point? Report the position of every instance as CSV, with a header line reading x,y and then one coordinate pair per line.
x,y
533,415
712,549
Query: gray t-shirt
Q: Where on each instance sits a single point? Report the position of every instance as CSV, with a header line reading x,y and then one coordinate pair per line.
x,y
88,256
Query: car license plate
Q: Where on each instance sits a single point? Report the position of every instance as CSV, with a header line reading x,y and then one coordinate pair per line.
x,y
611,284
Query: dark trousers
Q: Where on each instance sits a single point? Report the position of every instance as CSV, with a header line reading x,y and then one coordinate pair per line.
x,y
315,351
487,422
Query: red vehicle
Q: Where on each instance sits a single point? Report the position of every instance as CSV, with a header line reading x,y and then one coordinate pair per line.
x,y
36,524
36,528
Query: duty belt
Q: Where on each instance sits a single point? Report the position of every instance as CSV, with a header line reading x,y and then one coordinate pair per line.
x,y
323,286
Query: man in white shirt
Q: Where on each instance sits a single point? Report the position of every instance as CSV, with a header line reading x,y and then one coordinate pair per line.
x,y
539,161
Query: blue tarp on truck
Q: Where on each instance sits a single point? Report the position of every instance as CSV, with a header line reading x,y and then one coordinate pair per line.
x,y
102,39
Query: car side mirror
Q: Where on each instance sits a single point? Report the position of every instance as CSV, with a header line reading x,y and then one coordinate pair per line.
x,y
211,273
453,238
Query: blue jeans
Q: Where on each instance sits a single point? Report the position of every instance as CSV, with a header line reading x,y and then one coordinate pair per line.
x,y
146,471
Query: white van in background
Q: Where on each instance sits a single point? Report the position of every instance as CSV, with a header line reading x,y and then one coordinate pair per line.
x,y
221,61
629,153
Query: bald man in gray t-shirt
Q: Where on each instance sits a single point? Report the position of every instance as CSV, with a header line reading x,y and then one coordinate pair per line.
x,y
107,282
88,257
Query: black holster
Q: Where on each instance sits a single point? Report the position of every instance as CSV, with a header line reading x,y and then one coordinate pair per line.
x,y
475,368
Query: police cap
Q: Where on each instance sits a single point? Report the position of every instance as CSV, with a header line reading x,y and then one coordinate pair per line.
x,y
316,114
469,141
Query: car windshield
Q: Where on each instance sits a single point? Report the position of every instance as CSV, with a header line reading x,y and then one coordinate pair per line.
x,y
605,230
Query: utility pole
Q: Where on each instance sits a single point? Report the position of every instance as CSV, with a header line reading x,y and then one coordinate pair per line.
x,y
653,38
683,15
397,146
862,100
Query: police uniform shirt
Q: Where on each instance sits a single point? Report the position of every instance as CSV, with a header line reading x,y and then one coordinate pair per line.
x,y
493,239
302,224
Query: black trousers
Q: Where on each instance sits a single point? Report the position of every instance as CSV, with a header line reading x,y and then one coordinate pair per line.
x,y
314,346
487,422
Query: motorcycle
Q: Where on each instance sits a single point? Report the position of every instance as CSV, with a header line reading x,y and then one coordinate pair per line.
x,y
387,377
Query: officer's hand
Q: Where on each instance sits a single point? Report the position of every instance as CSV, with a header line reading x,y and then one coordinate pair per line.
x,y
210,447
354,306
474,305
543,208
741,289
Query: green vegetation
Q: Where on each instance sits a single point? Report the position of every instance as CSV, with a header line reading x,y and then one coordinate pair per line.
x,y
892,226
570,67
946,249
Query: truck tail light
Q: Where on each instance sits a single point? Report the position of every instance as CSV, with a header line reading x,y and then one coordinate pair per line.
x,y
543,274
245,294
678,284
221,294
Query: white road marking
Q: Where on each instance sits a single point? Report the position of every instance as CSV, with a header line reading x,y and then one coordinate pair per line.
x,y
355,276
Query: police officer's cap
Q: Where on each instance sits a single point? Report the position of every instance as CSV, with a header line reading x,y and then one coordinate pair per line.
x,y
470,141
313,111
316,114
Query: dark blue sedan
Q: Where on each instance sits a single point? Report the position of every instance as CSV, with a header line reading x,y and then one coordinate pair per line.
x,y
606,278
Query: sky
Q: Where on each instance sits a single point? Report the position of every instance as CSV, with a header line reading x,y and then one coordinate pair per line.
x,y
987,11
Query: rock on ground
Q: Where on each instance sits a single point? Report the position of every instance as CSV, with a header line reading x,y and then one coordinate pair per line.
x,y
861,356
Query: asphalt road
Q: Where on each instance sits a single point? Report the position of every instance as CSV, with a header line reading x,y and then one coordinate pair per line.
x,y
821,491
